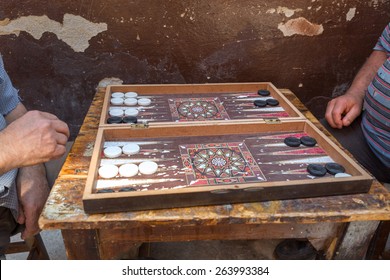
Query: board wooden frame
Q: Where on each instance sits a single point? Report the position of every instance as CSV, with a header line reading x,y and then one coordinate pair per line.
x,y
197,89
221,194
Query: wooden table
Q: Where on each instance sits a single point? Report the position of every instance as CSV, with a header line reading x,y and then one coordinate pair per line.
x,y
340,226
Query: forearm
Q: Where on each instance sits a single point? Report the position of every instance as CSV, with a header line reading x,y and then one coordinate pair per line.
x,y
8,156
366,74
33,191
32,172
16,113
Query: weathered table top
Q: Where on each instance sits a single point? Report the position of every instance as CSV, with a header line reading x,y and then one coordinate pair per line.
x,y
64,208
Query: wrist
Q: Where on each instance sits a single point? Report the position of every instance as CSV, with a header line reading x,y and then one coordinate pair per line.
x,y
35,170
9,159
357,95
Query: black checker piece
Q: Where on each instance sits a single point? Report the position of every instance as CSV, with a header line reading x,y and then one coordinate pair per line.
x,y
260,103
316,170
263,92
112,120
272,102
334,168
292,141
308,141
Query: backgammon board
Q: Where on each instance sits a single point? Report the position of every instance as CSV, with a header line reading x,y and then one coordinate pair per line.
x,y
194,103
210,144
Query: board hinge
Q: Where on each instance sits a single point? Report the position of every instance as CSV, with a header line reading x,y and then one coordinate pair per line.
x,y
143,124
272,120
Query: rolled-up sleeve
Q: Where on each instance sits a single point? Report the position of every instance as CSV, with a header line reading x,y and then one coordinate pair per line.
x,y
9,97
383,43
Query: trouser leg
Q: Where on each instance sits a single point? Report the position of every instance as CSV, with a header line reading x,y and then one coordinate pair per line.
x,y
8,227
353,140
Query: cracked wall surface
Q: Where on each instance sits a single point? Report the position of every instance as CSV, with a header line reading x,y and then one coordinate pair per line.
x,y
57,54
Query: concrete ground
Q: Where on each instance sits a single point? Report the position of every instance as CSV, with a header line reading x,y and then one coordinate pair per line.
x,y
212,250
53,243
197,250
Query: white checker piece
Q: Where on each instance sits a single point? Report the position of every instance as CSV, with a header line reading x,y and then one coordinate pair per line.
x,y
342,175
116,112
144,101
117,94
131,94
131,101
131,149
108,171
128,170
148,167
117,101
112,152
131,112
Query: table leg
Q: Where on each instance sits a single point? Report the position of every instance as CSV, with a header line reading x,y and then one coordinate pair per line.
x,y
81,244
378,243
321,235
88,245
115,244
113,249
356,239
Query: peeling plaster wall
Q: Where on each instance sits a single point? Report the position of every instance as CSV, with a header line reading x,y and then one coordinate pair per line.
x,y
57,54
75,31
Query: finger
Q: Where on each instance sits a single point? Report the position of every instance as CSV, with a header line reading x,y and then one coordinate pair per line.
x,y
21,217
328,114
59,151
61,127
61,139
351,116
32,227
337,115
29,233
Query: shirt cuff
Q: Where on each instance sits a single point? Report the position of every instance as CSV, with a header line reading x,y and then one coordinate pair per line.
x,y
3,191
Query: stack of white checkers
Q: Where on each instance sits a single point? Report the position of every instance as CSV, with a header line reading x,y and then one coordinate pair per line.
x,y
130,98
108,171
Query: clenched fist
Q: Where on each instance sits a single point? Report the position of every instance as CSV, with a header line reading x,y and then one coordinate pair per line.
x,y
343,110
35,137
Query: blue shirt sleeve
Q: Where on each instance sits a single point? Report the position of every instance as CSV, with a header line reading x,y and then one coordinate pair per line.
x,y
9,97
383,43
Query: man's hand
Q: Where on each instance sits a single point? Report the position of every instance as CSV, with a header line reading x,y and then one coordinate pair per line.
x,y
343,110
33,191
33,138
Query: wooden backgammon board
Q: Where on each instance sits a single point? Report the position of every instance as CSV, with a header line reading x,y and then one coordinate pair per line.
x,y
165,146
191,104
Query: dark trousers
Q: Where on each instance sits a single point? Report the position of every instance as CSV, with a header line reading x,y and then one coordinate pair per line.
x,y
8,227
352,138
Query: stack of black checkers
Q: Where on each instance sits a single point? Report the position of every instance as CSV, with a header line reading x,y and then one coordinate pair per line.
x,y
260,103
319,171
105,191
269,101
263,103
304,140
127,119
125,189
